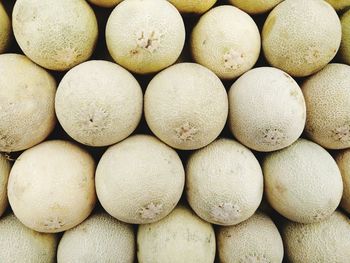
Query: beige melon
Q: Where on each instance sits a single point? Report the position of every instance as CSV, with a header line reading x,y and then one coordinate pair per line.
x,y
5,30
139,180
267,109
302,182
343,160
100,238
21,244
180,237
151,41
99,103
339,4
105,3
227,41
327,241
57,35
193,6
224,182
51,186
327,96
186,106
27,98
5,168
255,240
344,50
301,36
254,6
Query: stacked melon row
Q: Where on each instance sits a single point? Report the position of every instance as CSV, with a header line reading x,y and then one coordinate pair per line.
x,y
232,143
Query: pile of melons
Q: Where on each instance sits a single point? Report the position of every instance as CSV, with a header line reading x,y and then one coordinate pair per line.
x,y
180,131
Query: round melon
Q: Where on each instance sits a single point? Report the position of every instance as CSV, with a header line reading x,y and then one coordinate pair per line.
x,y
152,41
27,99
224,182
99,103
344,50
5,168
302,182
255,240
227,41
301,36
51,186
326,241
21,244
57,35
255,7
180,237
100,238
105,3
139,180
327,96
339,4
186,106
6,30
193,6
267,109
343,160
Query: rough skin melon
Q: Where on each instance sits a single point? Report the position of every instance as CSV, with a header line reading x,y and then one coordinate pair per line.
x,y
5,30
227,41
267,109
327,97
180,237
193,6
99,103
302,182
327,241
343,160
139,180
255,7
186,106
27,103
301,36
344,50
224,182
51,186
21,244
100,238
57,35
105,3
255,240
5,168
339,4
152,41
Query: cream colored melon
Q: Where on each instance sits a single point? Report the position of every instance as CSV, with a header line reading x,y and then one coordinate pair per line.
x,y
327,241
27,97
180,237
343,160
5,168
105,3
51,186
139,180
21,244
254,6
186,106
301,36
224,182
327,96
57,35
145,36
302,182
99,103
267,109
5,30
193,6
339,4
344,50
255,240
227,41
100,238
